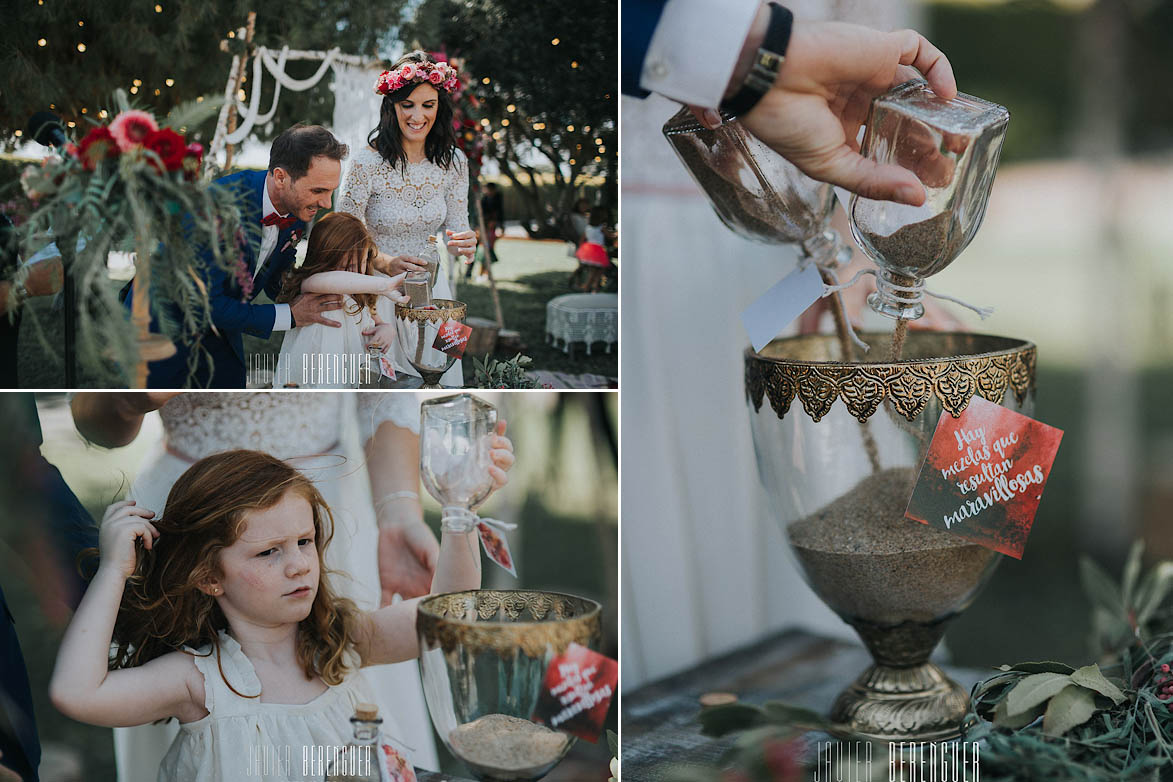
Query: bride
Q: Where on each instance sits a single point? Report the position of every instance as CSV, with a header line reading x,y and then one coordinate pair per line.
x,y
325,436
339,259
412,181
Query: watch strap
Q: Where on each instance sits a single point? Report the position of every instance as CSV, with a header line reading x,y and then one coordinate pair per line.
x,y
766,63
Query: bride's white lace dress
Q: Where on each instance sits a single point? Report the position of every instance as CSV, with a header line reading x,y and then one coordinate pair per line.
x,y
401,207
320,434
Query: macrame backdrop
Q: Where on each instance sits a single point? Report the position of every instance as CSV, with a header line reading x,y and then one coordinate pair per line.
x,y
356,105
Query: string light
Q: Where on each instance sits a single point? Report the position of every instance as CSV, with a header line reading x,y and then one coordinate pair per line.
x,y
574,64
231,33
485,80
19,134
598,141
602,150
510,108
554,42
485,122
200,99
570,128
505,123
53,105
598,159
103,114
72,124
81,47
240,94
586,129
170,82
158,92
83,110
42,42
80,23
134,90
137,82
158,9
572,161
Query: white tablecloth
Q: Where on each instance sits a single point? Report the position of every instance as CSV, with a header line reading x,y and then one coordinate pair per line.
x,y
583,317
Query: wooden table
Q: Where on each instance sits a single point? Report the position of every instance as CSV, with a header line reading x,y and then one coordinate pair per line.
x,y
660,719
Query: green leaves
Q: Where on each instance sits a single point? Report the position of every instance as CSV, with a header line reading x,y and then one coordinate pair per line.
x,y
1066,700
1033,690
1072,706
493,373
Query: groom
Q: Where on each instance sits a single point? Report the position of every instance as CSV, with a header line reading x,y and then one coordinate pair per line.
x,y
305,163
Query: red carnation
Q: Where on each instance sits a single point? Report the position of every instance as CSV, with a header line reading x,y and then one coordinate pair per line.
x,y
169,146
98,145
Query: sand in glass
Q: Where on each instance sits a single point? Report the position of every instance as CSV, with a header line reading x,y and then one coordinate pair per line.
x,y
952,146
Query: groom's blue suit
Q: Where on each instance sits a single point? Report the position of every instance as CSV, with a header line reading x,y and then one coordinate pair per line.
x,y
233,314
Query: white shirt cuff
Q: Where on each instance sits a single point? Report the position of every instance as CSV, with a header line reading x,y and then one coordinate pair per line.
x,y
694,49
283,321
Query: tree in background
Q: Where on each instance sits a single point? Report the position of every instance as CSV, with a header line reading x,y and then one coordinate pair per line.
x,y
545,75
73,55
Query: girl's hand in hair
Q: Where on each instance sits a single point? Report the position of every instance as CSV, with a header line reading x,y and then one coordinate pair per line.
x,y
122,527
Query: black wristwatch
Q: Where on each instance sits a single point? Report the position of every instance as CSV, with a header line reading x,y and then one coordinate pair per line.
x,y
766,63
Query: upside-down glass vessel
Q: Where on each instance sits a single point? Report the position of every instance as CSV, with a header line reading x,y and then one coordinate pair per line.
x,y
839,444
456,435
416,328
756,192
952,146
483,657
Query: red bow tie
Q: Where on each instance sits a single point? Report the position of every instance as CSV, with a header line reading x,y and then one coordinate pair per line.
x,y
281,222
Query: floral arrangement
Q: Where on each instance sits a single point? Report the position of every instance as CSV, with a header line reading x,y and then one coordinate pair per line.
x,y
135,132
493,373
133,185
440,75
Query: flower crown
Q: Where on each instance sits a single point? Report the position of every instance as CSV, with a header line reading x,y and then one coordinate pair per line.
x,y
440,75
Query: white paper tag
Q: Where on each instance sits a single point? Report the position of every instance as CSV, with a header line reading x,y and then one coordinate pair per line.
x,y
781,304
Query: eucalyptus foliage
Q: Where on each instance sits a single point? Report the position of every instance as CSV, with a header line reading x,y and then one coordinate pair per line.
x,y
128,204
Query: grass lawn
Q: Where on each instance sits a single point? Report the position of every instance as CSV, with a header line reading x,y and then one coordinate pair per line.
x,y
528,274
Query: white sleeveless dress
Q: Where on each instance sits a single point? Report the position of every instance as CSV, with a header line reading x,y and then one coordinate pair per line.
x,y
401,207
322,435
243,738
317,356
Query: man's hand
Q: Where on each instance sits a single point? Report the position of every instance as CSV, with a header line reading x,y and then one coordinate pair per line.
x,y
408,553
812,114
392,265
307,308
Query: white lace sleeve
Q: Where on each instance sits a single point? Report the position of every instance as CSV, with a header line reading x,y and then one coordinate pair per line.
x,y
356,191
401,409
456,194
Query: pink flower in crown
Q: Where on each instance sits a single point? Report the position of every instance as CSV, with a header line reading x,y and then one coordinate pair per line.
x,y
436,76
451,83
407,72
131,128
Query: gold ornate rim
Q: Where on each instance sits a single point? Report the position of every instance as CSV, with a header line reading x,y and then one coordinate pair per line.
x,y
446,309
440,621
951,366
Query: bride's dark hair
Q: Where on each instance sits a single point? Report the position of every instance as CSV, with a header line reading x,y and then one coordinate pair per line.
x,y
441,140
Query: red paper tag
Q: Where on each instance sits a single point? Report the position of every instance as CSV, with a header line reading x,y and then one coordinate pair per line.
x,y
395,763
984,475
496,547
577,692
385,368
452,338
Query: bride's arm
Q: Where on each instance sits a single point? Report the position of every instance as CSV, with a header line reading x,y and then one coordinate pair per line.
x,y
461,239
353,282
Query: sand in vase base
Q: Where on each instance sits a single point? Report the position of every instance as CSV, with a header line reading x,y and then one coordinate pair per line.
x,y
925,246
867,561
507,748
